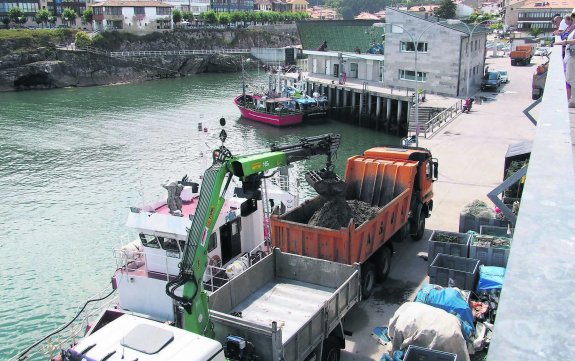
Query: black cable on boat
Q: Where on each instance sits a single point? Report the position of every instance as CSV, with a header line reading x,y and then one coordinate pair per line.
x,y
23,354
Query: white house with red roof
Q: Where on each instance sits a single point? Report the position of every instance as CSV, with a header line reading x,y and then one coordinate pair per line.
x,y
135,16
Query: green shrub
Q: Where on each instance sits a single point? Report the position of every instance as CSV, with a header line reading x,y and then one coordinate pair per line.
x,y
83,40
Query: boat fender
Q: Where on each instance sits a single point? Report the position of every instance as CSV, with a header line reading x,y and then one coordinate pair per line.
x,y
238,266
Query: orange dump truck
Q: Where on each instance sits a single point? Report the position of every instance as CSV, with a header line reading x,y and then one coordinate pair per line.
x,y
399,181
521,55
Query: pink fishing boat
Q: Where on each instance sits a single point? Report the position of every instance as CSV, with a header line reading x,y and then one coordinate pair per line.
x,y
279,112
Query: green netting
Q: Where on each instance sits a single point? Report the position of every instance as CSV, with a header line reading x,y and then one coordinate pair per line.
x,y
343,35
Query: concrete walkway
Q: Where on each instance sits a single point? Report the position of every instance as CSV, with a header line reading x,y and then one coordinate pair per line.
x,y
471,152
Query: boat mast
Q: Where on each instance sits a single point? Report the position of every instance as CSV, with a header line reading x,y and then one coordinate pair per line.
x,y
243,81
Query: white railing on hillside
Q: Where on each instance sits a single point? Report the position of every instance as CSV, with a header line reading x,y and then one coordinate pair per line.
x,y
178,52
442,119
120,54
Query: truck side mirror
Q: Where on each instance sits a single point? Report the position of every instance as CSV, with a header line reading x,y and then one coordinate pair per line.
x,y
435,169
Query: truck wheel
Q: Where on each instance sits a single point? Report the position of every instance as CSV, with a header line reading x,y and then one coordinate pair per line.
x,y
331,350
367,280
384,263
420,227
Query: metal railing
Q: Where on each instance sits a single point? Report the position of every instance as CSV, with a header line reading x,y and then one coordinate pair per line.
x,y
442,119
116,54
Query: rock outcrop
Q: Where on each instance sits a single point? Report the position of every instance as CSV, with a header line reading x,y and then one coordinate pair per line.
x,y
46,67
62,68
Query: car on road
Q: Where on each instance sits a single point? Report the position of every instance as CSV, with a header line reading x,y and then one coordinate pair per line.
x,y
503,75
541,51
492,80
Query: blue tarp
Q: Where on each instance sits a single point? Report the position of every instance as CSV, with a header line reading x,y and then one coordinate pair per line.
x,y
490,278
450,300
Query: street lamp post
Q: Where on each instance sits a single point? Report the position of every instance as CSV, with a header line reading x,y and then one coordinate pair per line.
x,y
416,46
470,32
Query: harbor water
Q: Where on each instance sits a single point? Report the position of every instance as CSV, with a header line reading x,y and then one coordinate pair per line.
x,y
72,161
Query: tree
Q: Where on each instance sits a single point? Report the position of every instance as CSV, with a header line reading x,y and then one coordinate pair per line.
x,y
446,9
22,20
187,16
42,16
6,21
68,15
15,14
210,17
88,16
236,17
52,20
224,18
176,16
535,31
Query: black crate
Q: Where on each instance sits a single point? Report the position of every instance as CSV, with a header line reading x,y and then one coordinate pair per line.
x,y
460,249
462,271
416,353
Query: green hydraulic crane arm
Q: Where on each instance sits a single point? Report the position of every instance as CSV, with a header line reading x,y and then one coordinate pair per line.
x,y
250,169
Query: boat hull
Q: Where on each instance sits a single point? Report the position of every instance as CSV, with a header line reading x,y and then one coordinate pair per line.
x,y
272,119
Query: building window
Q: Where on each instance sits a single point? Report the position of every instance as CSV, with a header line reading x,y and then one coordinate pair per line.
x,y
113,11
410,75
409,46
98,11
163,11
139,10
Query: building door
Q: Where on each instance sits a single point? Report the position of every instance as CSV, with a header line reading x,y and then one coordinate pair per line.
x,y
381,71
230,240
353,70
336,70
314,66
327,67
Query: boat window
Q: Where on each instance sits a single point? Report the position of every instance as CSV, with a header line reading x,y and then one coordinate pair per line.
x,y
169,244
149,241
213,243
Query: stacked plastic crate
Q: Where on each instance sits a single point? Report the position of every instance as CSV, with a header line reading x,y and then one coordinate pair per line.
x,y
450,266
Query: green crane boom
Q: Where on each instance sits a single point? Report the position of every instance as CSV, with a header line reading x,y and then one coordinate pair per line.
x,y
250,169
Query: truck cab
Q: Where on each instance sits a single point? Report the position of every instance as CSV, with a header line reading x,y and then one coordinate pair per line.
x,y
121,336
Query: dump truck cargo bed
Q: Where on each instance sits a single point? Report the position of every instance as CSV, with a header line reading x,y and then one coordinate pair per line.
x,y
387,184
285,304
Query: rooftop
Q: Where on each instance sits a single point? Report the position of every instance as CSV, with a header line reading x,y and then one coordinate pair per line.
x,y
116,3
340,35
551,4
461,27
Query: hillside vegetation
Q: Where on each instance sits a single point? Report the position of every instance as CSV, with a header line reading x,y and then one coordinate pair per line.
x,y
24,40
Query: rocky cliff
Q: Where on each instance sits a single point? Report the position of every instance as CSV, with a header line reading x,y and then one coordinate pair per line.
x,y
52,68
48,66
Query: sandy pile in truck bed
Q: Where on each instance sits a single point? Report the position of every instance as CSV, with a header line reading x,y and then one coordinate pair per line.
x,y
337,213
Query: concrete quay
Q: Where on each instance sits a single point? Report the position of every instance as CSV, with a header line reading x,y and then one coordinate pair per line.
x,y
471,152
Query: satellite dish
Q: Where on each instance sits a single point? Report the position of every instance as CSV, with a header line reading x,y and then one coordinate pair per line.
x,y
222,121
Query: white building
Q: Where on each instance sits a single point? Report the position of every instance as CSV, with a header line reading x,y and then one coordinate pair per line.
x,y
195,6
136,16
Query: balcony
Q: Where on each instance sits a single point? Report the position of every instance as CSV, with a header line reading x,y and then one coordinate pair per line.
x,y
534,321
114,17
